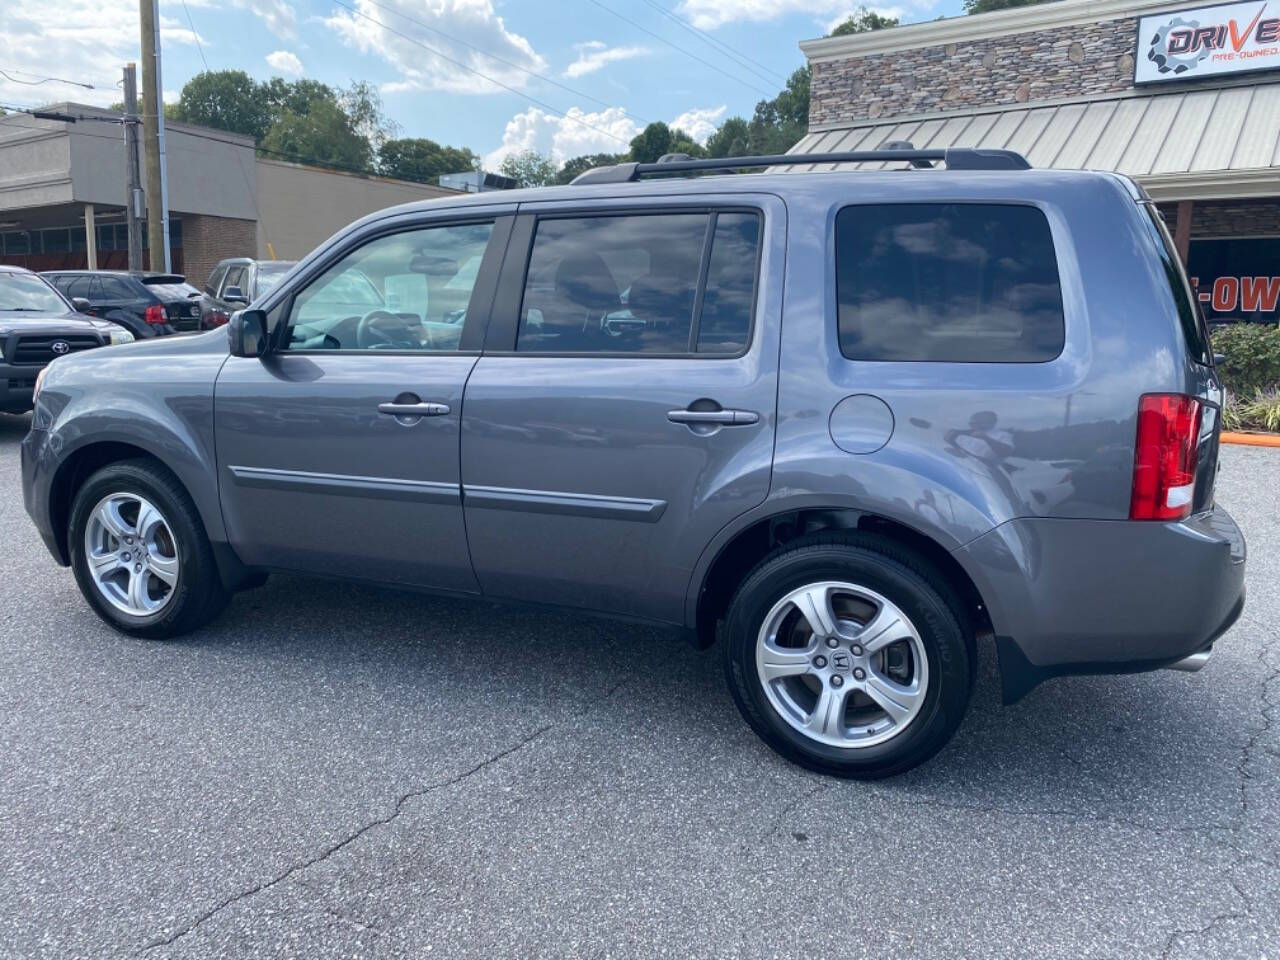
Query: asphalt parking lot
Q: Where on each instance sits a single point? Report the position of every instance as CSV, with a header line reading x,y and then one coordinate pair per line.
x,y
333,771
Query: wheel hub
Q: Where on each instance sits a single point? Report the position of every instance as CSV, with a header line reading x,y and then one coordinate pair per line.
x,y
842,664
131,554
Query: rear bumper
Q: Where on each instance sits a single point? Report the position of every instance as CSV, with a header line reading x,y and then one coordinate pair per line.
x,y
1106,596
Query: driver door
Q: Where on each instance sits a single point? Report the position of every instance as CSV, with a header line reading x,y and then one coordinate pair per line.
x,y
338,451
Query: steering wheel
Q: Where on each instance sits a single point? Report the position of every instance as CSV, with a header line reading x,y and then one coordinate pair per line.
x,y
384,330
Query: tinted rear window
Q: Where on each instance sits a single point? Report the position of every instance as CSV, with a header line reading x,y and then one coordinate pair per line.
x,y
173,291
959,282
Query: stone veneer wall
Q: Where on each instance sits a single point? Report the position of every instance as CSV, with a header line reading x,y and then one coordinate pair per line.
x,y
1228,218
1061,62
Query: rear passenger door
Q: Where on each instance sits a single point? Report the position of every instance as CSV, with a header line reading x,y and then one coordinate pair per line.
x,y
624,408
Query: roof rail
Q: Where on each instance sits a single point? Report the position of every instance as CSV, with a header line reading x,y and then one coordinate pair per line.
x,y
956,158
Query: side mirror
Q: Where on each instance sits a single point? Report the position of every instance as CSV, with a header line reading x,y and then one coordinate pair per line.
x,y
247,333
81,305
234,295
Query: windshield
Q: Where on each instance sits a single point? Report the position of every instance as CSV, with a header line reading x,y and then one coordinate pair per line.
x,y
27,292
173,291
269,275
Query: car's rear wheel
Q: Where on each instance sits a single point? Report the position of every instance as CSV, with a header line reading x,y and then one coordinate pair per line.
x,y
140,553
845,653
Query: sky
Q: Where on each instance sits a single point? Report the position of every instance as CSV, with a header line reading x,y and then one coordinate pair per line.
x,y
563,77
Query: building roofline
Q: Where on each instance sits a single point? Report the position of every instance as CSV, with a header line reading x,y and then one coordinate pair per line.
x,y
375,177
980,26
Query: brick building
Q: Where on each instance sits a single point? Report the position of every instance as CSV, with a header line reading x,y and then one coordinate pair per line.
x,y
1184,99
62,196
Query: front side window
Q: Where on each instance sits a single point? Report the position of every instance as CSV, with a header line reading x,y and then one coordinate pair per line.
x,y
215,280
630,284
959,282
404,291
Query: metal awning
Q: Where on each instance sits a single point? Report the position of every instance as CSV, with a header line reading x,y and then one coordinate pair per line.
x,y
1194,144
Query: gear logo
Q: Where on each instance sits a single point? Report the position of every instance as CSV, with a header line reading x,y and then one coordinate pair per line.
x,y
1167,62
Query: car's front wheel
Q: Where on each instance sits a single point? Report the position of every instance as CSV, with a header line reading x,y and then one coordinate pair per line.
x,y
140,553
845,654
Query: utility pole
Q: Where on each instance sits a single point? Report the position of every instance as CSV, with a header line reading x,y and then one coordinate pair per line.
x,y
133,188
153,133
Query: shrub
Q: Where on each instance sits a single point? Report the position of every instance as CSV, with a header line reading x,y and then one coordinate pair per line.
x,y
1252,353
1263,411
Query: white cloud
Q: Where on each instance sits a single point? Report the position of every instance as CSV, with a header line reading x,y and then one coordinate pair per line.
x,y
285,61
472,21
700,122
709,14
594,55
278,16
580,133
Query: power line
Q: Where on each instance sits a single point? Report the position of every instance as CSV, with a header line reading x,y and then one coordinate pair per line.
x,y
687,53
195,36
36,83
509,63
499,83
720,46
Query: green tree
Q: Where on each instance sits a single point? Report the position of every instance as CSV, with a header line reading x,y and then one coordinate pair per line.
x,y
986,6
863,20
423,160
578,165
657,138
296,95
227,100
529,168
325,135
732,139
363,105
778,124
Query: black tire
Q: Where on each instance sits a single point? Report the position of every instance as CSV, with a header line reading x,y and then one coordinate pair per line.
x,y
899,576
198,594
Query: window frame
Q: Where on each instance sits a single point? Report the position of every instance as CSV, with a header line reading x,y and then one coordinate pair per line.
x,y
504,326
280,300
948,202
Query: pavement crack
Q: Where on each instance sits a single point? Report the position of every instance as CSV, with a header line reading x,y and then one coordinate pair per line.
x,y
351,838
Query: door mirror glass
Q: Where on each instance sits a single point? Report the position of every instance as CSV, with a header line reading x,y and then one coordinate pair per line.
x,y
234,295
247,333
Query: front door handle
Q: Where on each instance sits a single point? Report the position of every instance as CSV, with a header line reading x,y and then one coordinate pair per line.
x,y
414,409
722,418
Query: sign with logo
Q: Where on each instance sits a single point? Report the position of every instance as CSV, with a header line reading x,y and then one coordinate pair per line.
x,y
1208,41
1237,280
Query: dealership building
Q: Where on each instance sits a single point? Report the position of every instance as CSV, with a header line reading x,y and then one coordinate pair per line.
x,y
1186,100
63,187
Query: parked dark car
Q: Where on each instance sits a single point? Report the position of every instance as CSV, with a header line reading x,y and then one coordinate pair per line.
x,y
39,325
236,283
851,424
148,304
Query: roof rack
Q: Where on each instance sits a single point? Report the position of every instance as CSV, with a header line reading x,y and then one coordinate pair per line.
x,y
956,158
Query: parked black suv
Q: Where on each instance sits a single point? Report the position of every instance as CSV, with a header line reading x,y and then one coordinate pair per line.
x,y
236,283
147,304
38,325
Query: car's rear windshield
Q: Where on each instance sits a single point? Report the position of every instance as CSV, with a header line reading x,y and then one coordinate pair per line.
x,y
955,282
1189,316
269,275
173,291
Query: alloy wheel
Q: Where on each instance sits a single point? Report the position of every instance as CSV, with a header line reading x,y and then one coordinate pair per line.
x,y
131,554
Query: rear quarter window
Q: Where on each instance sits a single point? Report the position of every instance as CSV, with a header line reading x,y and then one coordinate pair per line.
x,y
957,282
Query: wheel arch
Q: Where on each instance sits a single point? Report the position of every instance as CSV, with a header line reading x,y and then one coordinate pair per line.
x,y
740,548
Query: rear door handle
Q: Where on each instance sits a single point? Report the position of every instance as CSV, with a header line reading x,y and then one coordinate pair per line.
x,y
725,418
414,409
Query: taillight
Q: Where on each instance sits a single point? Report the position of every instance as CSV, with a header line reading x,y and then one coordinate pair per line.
x,y
215,318
155,314
1164,460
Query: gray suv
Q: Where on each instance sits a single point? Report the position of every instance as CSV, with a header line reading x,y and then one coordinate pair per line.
x,y
851,423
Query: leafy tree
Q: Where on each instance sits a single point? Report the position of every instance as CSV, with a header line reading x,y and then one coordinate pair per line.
x,y
778,124
423,160
295,95
732,139
529,168
228,100
325,135
584,163
863,20
363,105
657,138
985,6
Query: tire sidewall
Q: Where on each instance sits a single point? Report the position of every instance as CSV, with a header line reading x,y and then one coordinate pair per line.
x,y
135,480
945,650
